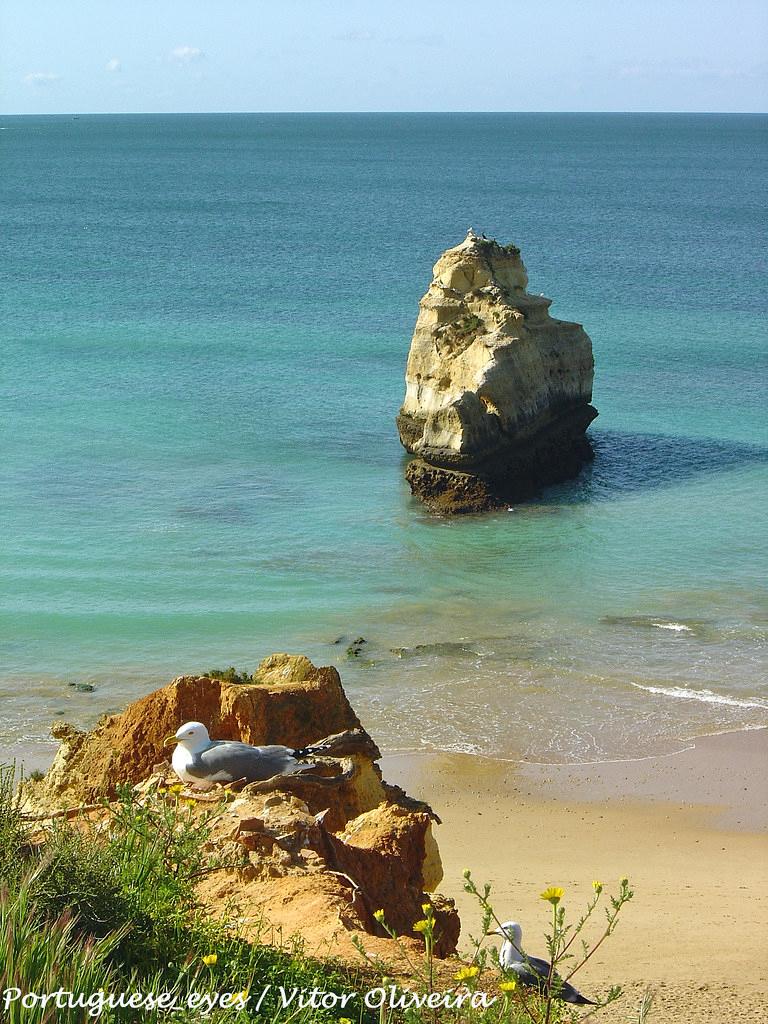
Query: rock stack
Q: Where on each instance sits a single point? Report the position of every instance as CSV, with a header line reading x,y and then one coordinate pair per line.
x,y
497,392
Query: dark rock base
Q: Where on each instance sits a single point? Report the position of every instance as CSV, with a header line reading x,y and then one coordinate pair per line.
x,y
516,476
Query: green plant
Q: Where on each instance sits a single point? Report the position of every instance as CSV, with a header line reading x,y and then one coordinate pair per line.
x,y
482,991
111,905
466,325
564,963
644,1009
230,675
39,956
13,837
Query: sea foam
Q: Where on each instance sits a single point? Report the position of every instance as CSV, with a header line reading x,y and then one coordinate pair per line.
x,y
705,696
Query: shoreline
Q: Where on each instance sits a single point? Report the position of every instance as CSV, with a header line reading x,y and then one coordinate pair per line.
x,y
595,780
692,840
38,752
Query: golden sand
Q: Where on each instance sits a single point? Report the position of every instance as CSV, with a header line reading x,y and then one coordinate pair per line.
x,y
690,830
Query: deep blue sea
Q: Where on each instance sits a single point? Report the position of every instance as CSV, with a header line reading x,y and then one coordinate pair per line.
x,y
204,333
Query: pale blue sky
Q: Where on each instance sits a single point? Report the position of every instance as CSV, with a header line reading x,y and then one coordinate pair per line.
x,y
249,55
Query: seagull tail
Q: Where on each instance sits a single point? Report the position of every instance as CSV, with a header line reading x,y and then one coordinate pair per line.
x,y
572,995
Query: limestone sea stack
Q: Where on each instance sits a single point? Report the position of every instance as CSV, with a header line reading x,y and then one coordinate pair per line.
x,y
497,392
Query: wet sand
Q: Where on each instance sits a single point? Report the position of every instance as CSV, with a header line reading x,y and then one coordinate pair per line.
x,y
690,830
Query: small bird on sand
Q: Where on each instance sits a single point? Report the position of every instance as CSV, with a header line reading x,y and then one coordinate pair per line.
x,y
200,761
530,970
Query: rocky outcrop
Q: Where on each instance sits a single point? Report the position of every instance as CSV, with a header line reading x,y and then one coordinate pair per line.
x,y
290,702
497,392
316,853
296,876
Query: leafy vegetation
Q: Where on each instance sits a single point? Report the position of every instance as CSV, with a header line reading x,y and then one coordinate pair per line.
x,y
13,838
111,906
106,910
230,675
466,1001
465,325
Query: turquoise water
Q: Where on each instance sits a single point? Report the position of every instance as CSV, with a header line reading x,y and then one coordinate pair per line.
x,y
204,337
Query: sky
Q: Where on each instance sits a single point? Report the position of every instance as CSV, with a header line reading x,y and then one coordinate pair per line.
x,y
105,56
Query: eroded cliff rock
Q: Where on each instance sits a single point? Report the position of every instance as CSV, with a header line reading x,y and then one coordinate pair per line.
x,y
497,392
290,702
299,877
315,854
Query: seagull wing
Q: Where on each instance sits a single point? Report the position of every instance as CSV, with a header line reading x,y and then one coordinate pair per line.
x,y
531,971
535,972
229,760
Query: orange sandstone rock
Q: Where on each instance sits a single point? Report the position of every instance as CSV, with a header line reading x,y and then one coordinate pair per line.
x,y
291,702
313,855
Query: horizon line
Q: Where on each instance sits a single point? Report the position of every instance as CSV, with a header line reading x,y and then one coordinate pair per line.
x,y
315,113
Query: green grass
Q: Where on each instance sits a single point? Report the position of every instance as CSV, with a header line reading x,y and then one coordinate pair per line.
x,y
12,833
41,955
114,908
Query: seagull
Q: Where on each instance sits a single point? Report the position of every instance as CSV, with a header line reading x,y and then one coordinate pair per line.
x,y
200,761
530,970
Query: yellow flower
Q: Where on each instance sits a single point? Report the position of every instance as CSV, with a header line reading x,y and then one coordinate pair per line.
x,y
161,790
241,997
465,973
552,895
508,986
175,788
378,915
598,887
624,881
421,926
345,1020
426,908
467,873
210,959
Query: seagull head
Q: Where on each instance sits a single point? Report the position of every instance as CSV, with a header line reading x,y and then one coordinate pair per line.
x,y
510,931
192,735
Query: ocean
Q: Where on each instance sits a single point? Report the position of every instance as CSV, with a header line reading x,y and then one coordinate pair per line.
x,y
205,327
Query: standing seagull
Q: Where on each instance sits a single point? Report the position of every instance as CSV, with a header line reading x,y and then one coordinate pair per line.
x,y
200,761
530,970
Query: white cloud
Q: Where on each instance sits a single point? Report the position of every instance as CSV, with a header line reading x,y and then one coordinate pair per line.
x,y
41,78
113,65
354,36
691,69
424,39
364,36
186,54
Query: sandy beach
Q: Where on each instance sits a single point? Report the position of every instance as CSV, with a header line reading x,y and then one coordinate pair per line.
x,y
690,830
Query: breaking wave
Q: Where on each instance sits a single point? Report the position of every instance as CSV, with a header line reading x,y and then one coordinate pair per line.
x,y
705,696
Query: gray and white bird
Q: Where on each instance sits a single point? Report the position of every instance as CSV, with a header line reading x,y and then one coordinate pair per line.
x,y
200,761
531,970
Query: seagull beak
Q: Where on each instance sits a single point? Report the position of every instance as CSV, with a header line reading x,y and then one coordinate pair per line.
x,y
169,741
